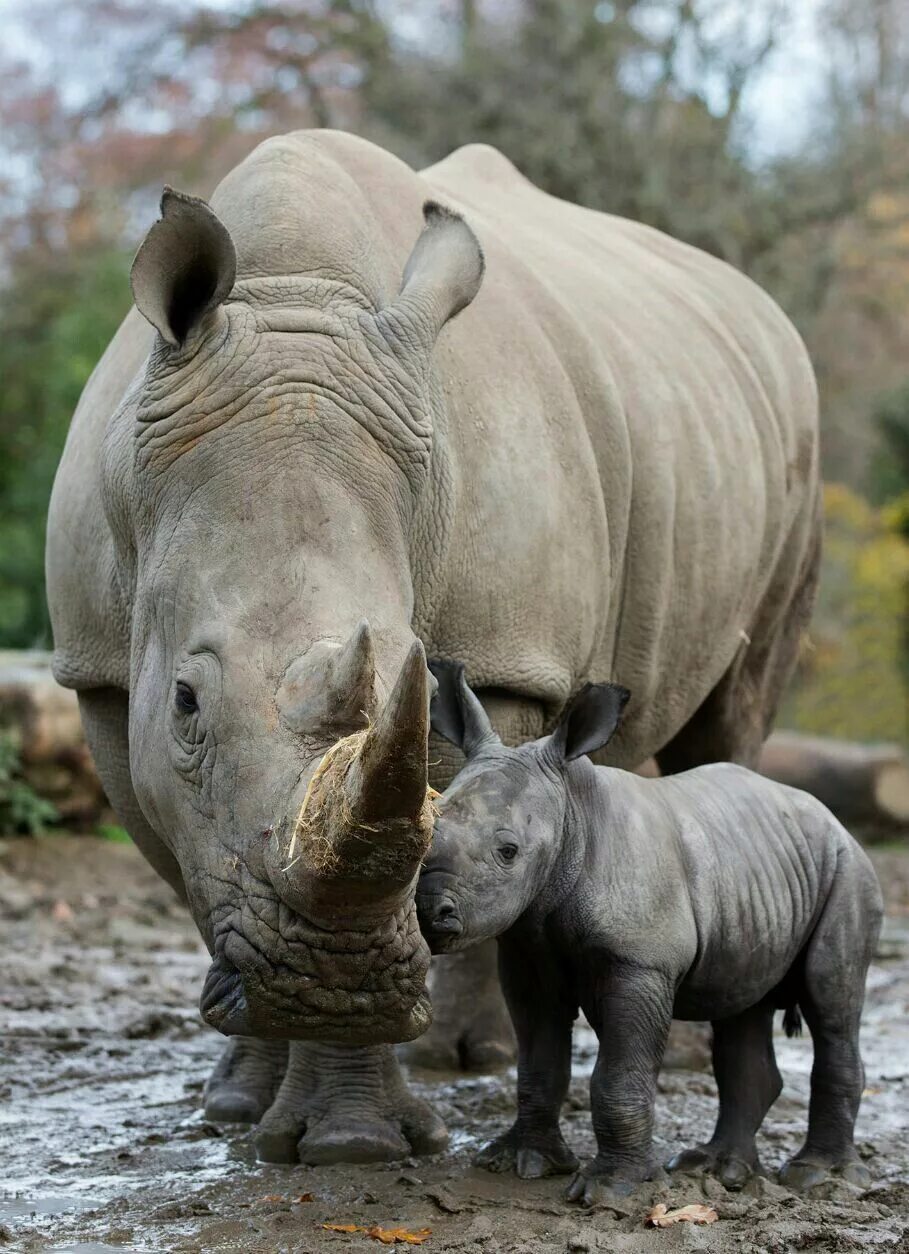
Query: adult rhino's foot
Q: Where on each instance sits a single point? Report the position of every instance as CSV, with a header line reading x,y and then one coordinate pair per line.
x,y
245,1080
733,1167
809,1169
603,1184
529,1154
346,1104
471,1028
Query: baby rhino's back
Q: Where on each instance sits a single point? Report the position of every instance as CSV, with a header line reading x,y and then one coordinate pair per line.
x,y
760,860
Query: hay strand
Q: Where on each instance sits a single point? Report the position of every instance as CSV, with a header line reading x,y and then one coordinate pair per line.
x,y
325,811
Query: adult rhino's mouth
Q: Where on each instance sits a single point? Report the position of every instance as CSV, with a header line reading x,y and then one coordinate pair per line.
x,y
365,989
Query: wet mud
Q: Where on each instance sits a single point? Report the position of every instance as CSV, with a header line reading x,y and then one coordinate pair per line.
x,y
103,1145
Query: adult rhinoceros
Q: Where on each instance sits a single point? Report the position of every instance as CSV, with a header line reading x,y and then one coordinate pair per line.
x,y
288,471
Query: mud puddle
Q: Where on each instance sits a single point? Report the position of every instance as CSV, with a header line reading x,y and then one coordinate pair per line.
x,y
103,1146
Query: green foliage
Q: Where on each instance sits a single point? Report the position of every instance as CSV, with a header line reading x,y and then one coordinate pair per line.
x,y
110,831
854,680
890,470
55,322
21,809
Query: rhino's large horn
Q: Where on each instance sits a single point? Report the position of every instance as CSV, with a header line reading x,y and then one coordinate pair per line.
x,y
366,823
387,780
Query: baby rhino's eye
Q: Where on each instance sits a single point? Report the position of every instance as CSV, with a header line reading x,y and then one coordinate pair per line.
x,y
507,852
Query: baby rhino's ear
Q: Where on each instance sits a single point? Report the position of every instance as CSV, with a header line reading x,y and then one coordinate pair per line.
x,y
589,721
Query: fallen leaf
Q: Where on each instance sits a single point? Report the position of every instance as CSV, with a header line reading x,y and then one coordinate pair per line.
x,y
388,1236
661,1216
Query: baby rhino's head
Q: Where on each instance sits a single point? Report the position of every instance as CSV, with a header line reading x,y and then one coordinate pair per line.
x,y
500,823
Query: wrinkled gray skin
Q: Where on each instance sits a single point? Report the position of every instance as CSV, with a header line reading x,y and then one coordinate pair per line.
x,y
716,894
295,462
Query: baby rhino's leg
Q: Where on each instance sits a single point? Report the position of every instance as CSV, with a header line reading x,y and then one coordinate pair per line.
x,y
836,964
542,1009
630,1010
749,1083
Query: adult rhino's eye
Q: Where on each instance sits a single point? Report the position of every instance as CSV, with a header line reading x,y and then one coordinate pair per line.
x,y
185,699
507,853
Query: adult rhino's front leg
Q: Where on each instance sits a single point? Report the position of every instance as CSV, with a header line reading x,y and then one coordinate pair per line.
x,y
245,1080
319,1103
346,1104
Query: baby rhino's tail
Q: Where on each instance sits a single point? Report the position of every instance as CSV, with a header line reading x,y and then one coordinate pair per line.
x,y
792,1020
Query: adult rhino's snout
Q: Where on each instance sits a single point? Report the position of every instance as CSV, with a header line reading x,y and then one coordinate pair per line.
x,y
342,957
365,822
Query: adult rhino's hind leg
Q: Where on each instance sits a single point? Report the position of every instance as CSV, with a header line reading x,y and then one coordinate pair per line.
x,y
733,722
245,1080
749,1083
344,1104
735,719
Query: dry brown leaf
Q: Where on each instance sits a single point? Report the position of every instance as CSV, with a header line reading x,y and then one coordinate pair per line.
x,y
661,1216
388,1236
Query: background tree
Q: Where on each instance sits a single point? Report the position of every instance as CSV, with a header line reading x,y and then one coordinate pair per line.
x,y
638,107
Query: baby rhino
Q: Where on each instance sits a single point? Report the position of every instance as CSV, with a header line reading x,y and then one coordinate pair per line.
x,y
715,894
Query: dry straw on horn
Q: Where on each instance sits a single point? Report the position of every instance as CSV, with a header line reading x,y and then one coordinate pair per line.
x,y
325,813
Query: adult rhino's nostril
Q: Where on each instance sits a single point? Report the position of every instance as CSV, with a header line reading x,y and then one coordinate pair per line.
x,y
223,1002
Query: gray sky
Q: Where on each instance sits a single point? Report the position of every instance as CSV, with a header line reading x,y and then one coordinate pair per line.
x,y
777,109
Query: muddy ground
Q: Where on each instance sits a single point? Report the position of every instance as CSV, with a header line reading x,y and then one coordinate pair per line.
x,y
103,1145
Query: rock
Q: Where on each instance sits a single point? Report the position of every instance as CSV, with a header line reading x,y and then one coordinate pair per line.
x,y
866,786
43,720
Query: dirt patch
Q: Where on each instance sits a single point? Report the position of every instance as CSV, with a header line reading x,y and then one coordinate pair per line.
x,y
103,1145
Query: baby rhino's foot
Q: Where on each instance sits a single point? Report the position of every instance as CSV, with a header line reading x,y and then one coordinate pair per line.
x,y
806,1171
601,1184
529,1154
732,1167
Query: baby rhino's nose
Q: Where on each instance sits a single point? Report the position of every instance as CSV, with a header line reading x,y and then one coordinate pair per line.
x,y
445,917
438,916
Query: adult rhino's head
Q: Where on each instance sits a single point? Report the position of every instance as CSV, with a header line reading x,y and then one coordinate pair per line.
x,y
271,482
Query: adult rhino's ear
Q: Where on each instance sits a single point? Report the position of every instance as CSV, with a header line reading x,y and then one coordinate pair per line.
x,y
456,712
442,276
588,722
185,267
